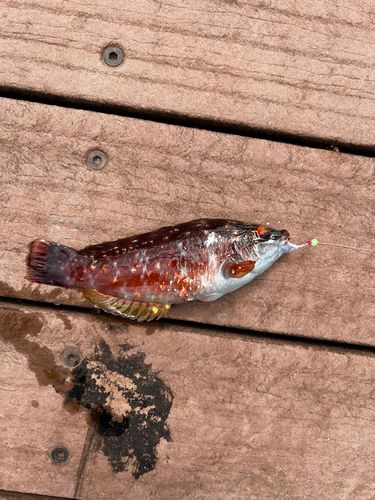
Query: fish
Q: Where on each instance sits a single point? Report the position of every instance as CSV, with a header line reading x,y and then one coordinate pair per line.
x,y
140,277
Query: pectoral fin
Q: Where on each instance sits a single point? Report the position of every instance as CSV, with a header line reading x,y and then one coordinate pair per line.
x,y
238,269
211,298
132,309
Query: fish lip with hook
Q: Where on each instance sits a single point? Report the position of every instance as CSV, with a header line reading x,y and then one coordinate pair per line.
x,y
288,245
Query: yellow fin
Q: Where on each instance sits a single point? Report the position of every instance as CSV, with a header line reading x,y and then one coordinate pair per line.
x,y
132,309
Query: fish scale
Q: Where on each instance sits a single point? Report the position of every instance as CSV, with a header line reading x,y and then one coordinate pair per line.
x,y
139,277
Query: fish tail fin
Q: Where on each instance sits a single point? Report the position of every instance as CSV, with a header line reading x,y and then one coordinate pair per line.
x,y
49,263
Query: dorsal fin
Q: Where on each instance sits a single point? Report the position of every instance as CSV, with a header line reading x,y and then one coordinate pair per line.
x,y
132,309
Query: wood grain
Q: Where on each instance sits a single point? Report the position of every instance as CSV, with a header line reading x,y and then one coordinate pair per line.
x,y
250,418
158,175
302,68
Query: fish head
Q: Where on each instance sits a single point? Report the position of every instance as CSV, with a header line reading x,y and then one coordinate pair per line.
x,y
263,246
272,243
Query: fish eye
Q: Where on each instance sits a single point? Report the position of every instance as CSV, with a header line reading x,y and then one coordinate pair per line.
x,y
266,236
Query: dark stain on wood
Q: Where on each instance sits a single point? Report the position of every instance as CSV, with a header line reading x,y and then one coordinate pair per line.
x,y
150,330
31,292
64,318
128,402
15,326
129,406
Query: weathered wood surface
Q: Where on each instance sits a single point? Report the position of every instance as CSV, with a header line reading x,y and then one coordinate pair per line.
x,y
14,495
158,175
303,68
248,418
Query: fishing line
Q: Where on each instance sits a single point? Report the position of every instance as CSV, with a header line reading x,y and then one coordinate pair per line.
x,y
315,242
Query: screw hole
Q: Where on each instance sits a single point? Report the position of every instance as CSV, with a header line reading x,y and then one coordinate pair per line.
x,y
97,160
71,358
59,454
113,56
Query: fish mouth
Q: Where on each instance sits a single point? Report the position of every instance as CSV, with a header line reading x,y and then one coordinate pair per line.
x,y
285,236
287,245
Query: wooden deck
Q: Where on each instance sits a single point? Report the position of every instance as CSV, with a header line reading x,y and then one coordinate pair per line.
x,y
218,109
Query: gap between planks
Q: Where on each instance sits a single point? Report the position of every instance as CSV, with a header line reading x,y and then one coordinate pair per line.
x,y
203,327
167,118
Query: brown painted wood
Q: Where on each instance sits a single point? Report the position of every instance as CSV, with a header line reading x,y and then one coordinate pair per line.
x,y
158,175
250,417
302,68
13,495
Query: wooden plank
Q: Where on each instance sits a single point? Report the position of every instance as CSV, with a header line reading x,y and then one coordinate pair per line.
x,y
228,416
13,495
302,68
158,175
31,416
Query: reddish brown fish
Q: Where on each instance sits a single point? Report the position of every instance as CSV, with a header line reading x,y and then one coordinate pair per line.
x,y
141,276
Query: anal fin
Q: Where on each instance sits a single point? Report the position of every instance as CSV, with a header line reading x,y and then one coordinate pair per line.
x,y
127,308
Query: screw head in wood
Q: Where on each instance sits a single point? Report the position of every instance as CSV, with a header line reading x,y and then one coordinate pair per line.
x,y
71,357
97,159
113,56
59,454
